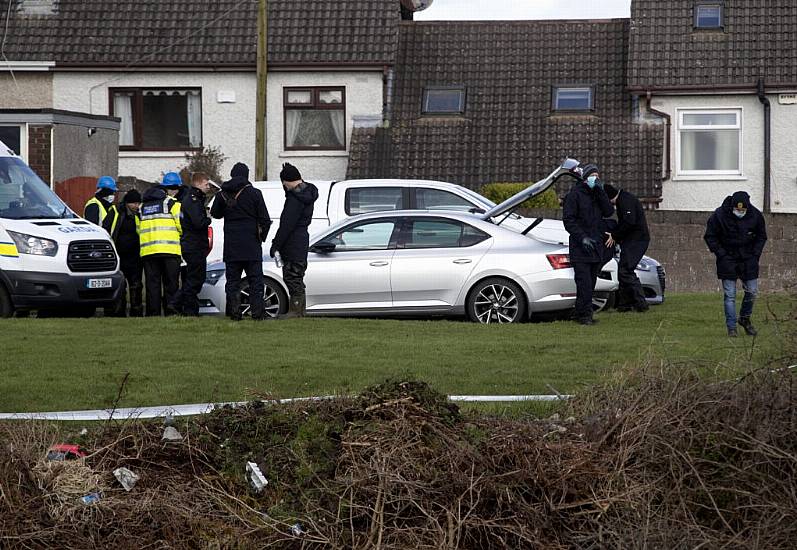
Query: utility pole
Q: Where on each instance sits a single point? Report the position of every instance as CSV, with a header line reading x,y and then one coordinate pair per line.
x,y
262,83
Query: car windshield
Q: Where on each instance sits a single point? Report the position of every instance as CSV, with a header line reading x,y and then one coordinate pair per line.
x,y
24,196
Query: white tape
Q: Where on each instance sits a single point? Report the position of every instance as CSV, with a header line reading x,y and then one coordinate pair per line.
x,y
204,408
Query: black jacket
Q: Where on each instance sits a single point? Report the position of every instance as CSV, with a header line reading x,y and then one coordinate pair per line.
x,y
246,220
195,221
92,211
583,216
125,234
292,239
632,224
736,242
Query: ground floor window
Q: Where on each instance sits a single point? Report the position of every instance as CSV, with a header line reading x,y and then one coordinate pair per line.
x,y
158,119
15,138
315,119
710,142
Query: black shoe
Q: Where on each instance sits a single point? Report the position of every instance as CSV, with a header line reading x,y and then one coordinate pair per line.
x,y
624,309
732,333
748,327
586,321
641,308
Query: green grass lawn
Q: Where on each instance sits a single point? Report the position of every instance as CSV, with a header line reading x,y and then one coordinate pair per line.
x,y
68,364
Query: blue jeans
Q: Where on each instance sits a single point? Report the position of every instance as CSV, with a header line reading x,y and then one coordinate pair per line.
x,y
750,292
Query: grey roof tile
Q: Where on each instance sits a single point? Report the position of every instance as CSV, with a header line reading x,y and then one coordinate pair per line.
x,y
508,132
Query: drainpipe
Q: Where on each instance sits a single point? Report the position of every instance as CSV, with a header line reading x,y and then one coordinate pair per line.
x,y
668,139
762,97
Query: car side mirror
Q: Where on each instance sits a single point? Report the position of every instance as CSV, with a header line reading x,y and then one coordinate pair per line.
x,y
323,248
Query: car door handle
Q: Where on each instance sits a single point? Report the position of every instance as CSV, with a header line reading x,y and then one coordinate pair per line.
x,y
463,261
379,264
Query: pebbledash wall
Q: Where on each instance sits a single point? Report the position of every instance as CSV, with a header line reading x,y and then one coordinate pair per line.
x,y
677,242
230,126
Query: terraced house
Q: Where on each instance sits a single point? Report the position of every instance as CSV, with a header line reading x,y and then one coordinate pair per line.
x,y
683,103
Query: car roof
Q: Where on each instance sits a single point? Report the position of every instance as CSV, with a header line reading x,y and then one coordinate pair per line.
x,y
466,217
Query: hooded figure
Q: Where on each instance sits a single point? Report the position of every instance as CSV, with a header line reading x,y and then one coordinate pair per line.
x,y
292,240
736,234
246,225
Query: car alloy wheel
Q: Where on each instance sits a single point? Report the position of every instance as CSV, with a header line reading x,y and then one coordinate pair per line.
x,y
275,301
496,301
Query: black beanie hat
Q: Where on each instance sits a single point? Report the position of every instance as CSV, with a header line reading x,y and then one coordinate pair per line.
x,y
588,169
132,196
611,192
290,173
741,198
240,170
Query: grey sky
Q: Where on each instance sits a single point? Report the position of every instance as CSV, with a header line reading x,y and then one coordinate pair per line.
x,y
525,9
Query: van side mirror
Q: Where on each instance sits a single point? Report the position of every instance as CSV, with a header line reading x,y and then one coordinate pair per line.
x,y
323,247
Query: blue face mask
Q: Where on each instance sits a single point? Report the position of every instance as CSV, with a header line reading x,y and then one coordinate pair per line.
x,y
592,181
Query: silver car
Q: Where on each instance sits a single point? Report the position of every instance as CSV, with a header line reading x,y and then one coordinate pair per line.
x,y
424,263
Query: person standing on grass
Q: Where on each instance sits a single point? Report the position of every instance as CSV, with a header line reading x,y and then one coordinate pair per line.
x,y
194,244
633,237
736,234
292,240
246,225
584,209
122,224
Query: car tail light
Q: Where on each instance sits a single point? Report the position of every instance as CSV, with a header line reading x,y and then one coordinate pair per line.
x,y
210,240
559,261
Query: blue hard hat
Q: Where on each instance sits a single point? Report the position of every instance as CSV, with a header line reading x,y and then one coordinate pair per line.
x,y
106,182
172,179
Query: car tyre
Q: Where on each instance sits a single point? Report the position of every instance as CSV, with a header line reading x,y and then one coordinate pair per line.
x,y
275,298
6,306
496,300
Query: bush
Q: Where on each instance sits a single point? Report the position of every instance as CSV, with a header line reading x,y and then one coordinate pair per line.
x,y
208,160
499,192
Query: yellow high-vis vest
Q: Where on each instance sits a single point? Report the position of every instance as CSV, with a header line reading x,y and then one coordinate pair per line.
x,y
98,202
159,229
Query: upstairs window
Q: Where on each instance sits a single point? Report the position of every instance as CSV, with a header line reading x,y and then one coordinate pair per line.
x,y
708,15
444,100
315,119
158,119
573,98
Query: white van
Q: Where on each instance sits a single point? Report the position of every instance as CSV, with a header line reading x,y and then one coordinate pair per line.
x,y
50,258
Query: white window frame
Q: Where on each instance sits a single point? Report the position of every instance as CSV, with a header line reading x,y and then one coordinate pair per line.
x,y
23,138
680,173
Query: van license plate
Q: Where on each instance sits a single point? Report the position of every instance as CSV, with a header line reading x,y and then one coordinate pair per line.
x,y
99,283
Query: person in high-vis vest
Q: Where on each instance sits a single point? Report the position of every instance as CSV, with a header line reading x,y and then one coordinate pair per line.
x,y
159,235
97,206
122,224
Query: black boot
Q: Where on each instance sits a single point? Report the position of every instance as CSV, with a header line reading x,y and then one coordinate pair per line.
x,y
294,308
747,325
234,307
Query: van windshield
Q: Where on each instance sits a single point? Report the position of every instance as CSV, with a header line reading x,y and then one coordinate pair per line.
x,y
24,196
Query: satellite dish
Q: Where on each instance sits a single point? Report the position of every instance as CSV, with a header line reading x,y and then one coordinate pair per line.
x,y
416,5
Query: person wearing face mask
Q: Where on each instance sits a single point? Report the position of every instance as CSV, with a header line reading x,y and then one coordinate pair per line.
x,y
736,234
585,208
122,223
292,240
246,225
97,206
159,234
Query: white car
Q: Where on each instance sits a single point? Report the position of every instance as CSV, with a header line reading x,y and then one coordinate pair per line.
x,y
427,262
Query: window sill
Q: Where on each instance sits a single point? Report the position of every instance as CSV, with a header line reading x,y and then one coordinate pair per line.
x,y
311,153
710,177
153,154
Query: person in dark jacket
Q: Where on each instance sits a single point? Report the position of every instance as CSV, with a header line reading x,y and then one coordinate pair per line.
x,y
121,223
585,208
194,244
736,234
246,225
292,240
97,207
632,234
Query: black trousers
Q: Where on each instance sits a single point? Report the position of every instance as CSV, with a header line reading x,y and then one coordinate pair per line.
x,y
162,272
586,275
254,277
631,293
193,277
293,275
133,270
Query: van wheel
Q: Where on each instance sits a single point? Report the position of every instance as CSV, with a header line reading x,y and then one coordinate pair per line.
x,y
6,306
496,300
275,301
